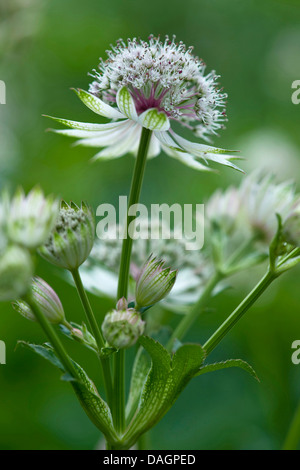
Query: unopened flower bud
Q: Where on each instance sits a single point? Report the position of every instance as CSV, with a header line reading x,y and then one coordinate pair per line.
x,y
291,227
31,218
154,283
71,242
15,273
122,328
122,304
46,299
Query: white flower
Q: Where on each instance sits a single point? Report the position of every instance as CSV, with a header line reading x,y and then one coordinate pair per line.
x,y
16,271
31,218
223,209
262,198
153,84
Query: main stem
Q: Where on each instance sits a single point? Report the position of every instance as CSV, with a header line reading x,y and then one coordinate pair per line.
x,y
119,358
96,332
229,323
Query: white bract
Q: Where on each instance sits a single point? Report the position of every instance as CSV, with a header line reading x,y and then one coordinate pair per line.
x,y
152,85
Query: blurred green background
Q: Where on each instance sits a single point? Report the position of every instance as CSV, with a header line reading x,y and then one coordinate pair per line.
x,y
46,48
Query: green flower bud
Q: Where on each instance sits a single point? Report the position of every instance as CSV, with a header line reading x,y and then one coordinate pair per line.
x,y
47,301
16,271
122,328
154,283
71,242
31,218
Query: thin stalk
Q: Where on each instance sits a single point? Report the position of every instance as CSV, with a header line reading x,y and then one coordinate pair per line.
x,y
118,407
229,323
190,318
96,332
293,436
52,336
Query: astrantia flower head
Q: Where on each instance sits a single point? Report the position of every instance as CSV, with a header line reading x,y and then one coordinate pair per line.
x,y
16,271
223,209
262,198
31,218
72,239
153,84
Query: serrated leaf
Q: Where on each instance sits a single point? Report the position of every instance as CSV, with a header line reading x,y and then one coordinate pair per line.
x,y
225,365
44,351
140,371
165,381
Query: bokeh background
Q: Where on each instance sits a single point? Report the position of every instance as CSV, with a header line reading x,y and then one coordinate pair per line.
x,y
47,47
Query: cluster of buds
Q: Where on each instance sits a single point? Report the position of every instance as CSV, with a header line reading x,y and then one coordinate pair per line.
x,y
123,326
72,239
25,223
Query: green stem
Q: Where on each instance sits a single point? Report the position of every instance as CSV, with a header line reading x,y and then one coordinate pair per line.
x,y
189,319
119,358
293,436
96,332
51,334
226,326
134,196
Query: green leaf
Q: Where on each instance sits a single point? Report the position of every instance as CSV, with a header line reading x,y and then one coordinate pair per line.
x,y
140,371
94,406
44,351
165,381
226,364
